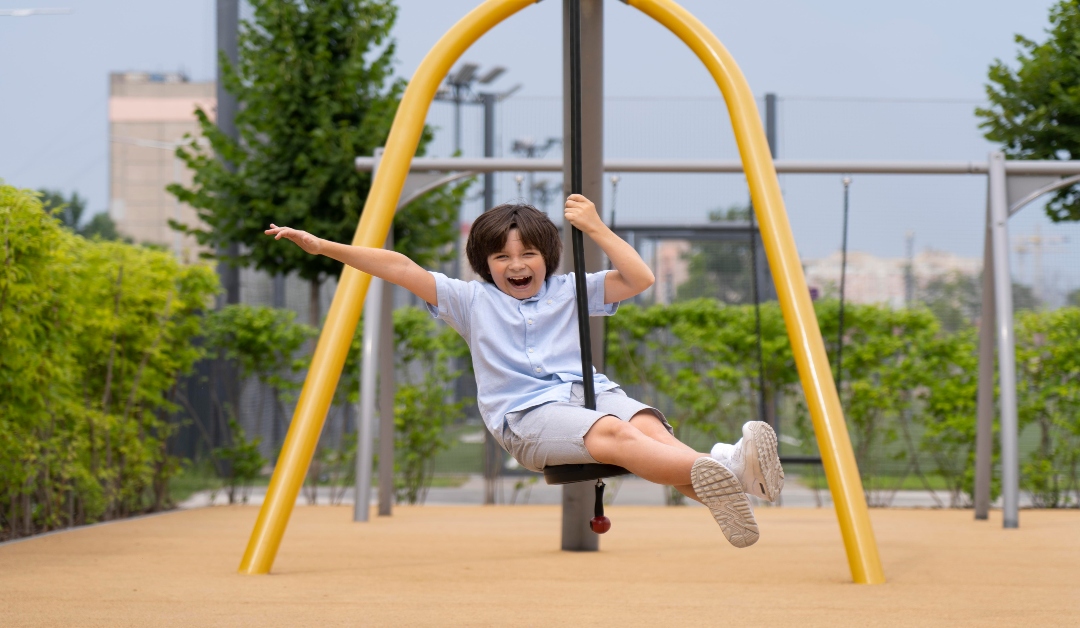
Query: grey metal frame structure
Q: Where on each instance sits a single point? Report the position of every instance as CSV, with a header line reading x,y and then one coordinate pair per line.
x,y
1012,185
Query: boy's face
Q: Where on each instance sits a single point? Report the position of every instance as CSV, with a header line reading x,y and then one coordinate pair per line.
x,y
517,270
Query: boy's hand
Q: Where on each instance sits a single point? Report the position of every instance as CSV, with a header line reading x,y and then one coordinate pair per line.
x,y
581,213
303,239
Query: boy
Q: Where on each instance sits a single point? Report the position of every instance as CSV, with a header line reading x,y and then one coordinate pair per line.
x,y
521,327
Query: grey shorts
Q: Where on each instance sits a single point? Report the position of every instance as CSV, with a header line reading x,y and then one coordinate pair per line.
x,y
554,433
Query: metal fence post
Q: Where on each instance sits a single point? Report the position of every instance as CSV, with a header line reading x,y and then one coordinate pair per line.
x,y
366,421
984,427
1006,340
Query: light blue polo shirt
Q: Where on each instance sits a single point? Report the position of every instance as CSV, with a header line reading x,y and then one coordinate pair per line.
x,y
524,353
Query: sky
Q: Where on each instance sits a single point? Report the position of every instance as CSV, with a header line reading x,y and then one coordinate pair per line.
x,y
856,80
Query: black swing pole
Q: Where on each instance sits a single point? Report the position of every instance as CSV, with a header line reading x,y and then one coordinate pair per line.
x,y
843,279
576,188
754,286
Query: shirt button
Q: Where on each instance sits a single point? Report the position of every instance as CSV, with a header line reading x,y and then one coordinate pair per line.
x,y
530,349
530,321
538,369
549,301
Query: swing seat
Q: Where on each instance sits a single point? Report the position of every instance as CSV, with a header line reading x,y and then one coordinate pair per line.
x,y
570,473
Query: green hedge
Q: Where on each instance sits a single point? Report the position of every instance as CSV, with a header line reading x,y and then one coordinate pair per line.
x,y
93,336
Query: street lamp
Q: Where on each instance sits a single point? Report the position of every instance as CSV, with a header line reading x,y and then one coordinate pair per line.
x,y
458,90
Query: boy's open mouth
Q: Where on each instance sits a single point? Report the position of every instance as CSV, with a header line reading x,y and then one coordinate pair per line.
x,y
519,282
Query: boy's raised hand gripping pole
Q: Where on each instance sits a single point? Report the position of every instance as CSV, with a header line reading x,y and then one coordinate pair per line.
x,y
577,237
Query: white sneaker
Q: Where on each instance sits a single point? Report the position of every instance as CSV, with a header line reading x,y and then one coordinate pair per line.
x,y
754,460
718,488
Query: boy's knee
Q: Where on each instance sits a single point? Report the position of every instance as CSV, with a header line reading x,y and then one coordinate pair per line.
x,y
613,430
647,422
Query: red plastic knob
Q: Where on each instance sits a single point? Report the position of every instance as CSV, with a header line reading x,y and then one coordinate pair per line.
x,y
600,525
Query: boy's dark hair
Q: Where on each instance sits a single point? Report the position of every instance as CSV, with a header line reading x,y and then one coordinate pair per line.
x,y
489,232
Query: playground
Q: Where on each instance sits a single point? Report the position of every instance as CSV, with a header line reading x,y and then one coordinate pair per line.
x,y
491,566
381,562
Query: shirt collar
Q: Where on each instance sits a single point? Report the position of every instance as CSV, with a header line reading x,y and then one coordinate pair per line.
x,y
539,293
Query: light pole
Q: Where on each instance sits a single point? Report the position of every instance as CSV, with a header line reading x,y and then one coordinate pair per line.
x,y
458,90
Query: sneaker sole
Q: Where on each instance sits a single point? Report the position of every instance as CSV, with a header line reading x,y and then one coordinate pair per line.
x,y
721,491
768,460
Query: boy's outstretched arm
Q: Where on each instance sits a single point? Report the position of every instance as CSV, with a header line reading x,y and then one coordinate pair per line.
x,y
631,275
389,265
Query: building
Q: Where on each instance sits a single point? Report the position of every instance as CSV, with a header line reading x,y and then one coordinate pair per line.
x,y
872,279
149,114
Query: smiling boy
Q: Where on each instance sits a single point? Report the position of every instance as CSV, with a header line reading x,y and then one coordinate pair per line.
x,y
521,327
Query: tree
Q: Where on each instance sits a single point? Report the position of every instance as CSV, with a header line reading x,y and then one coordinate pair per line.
x,y
719,270
954,299
1034,110
1048,401
70,212
949,389
315,87
101,225
422,407
264,343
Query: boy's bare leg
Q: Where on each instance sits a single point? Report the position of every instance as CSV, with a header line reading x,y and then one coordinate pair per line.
x,y
651,426
613,441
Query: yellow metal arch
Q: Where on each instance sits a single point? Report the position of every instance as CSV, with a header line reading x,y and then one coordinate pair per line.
x,y
793,294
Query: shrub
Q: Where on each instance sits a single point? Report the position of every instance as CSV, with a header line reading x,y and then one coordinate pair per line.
x,y
93,336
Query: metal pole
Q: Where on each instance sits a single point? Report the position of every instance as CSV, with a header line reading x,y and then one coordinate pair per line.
x,y
386,395
228,23
843,279
385,350
984,426
366,420
577,498
780,166
575,188
227,377
492,450
1010,462
457,120
278,419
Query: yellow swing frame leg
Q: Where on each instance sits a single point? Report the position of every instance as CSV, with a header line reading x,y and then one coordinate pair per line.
x,y
794,296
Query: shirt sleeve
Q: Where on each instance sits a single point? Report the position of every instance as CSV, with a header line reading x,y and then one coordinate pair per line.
x,y
594,284
454,297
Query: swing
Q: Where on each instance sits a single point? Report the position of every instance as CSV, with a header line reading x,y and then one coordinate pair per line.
x,y
571,473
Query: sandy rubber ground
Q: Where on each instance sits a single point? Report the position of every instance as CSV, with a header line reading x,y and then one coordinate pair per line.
x,y
500,566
